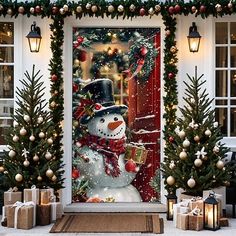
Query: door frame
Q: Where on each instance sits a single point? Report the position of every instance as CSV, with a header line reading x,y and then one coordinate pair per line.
x,y
70,22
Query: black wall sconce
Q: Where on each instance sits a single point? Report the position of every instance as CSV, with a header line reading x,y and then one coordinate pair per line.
x,y
194,38
34,38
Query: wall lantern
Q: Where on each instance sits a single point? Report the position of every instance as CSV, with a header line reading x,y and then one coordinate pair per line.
x,y
211,213
193,38
34,38
171,200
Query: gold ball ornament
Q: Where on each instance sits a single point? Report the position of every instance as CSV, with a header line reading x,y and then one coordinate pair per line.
x,y
79,9
66,8
157,8
132,7
15,123
220,164
36,157
26,163
183,155
173,49
11,153
1,169
181,134
53,104
191,183
48,155
62,11
208,132
42,135
186,143
198,162
18,177
40,120
15,138
1,7
196,138
49,173
39,178
88,6
110,8
218,7
215,124
94,8
172,165
26,118
170,180
23,131
120,8
54,178
49,141
32,138
9,11
216,149
151,11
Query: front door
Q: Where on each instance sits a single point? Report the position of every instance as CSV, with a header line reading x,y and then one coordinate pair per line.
x,y
109,162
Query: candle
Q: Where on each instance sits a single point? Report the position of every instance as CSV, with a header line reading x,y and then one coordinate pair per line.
x,y
210,218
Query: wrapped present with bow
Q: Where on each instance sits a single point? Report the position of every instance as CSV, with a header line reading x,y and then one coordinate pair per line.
x,y
196,219
196,202
11,196
182,221
21,215
181,207
46,195
31,194
137,153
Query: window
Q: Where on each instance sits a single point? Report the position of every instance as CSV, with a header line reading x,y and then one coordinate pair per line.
x,y
225,77
6,76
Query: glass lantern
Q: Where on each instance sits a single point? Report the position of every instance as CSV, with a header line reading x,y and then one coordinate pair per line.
x,y
171,200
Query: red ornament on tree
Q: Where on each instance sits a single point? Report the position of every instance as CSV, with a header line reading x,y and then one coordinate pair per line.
x,y
38,9
142,12
171,75
193,9
171,10
54,78
202,9
171,139
54,10
143,51
130,166
75,88
75,174
177,8
80,40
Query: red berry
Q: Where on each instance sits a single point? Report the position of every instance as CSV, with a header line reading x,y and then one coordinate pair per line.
x,y
75,174
142,12
97,106
80,39
171,139
130,166
75,88
171,75
54,78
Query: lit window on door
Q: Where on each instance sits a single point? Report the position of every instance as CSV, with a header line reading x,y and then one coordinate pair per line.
x,y
225,77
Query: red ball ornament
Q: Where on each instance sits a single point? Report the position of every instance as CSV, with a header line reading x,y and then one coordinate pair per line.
x,y
130,166
38,9
177,8
97,106
143,51
76,44
75,88
171,10
171,139
202,9
171,75
54,10
80,39
142,12
54,78
193,9
75,174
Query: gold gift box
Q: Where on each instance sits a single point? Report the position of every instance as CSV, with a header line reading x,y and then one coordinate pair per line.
x,y
137,153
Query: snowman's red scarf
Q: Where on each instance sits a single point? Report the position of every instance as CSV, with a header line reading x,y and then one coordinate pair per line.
x,y
110,148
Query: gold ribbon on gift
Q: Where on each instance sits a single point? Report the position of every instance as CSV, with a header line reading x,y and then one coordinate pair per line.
x,y
18,205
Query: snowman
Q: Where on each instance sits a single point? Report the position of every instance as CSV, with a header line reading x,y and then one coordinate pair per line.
x,y
101,155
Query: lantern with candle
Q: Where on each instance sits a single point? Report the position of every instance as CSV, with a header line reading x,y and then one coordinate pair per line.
x,y
211,213
171,200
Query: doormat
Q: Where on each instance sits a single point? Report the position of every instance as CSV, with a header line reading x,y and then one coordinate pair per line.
x,y
109,223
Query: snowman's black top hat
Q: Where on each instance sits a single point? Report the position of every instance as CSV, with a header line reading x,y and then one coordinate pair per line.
x,y
102,93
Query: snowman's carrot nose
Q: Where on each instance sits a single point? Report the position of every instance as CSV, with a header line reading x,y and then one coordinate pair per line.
x,y
114,125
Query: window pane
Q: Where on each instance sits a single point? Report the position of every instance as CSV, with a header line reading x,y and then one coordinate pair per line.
x,y
6,82
221,57
4,125
221,117
6,54
221,33
6,33
233,102
233,83
6,108
233,122
233,56
233,32
221,102
221,83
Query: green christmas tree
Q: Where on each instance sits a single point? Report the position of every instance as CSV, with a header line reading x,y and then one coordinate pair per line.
x,y
193,153
31,158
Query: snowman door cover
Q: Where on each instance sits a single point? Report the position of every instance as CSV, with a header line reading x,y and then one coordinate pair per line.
x,y
116,115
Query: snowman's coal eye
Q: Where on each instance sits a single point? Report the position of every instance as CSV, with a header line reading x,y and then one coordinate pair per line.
x,y
102,120
116,119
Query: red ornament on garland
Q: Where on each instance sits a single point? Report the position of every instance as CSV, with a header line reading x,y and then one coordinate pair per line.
x,y
75,88
171,10
54,10
193,9
143,51
38,9
75,174
142,12
171,75
177,8
130,166
171,139
202,9
80,39
54,78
